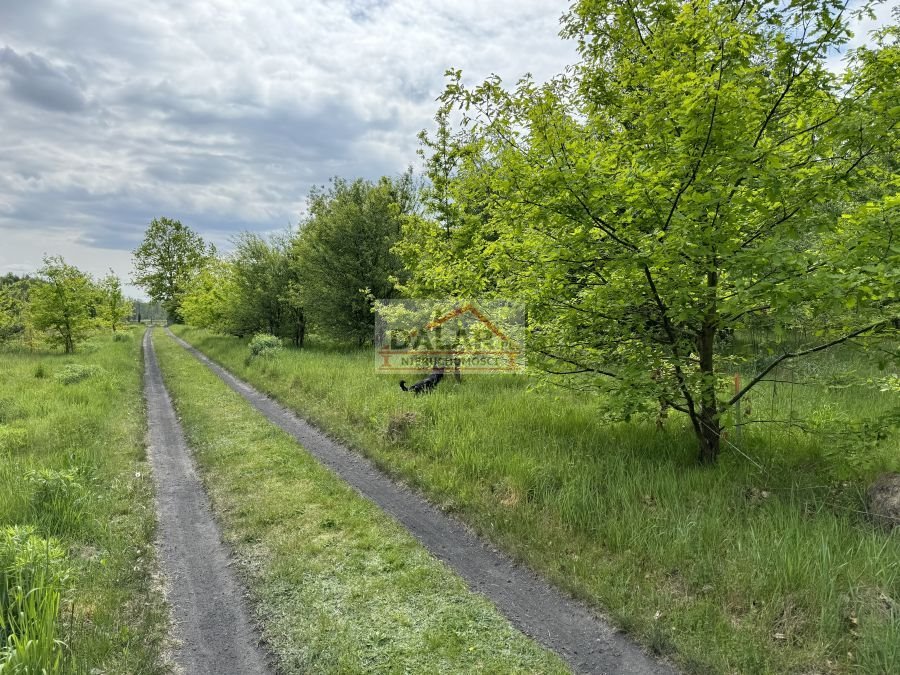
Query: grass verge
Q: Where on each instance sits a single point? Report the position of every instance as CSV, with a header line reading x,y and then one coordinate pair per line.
x,y
77,589
339,586
727,569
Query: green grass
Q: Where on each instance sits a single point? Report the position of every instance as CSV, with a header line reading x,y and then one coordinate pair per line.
x,y
339,586
77,589
728,569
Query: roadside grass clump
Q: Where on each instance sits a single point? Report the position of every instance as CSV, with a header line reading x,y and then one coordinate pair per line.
x,y
72,373
400,424
263,346
33,577
339,586
73,473
58,498
766,562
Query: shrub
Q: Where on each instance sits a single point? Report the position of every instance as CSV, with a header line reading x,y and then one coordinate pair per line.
x,y
33,576
264,346
76,372
40,372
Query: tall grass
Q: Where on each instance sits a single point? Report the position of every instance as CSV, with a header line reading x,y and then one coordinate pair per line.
x,y
763,563
74,485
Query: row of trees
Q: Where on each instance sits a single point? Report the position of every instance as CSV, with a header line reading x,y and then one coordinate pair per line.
x,y
60,305
699,171
325,275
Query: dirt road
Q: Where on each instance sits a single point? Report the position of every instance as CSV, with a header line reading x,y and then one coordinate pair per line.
x,y
212,629
585,642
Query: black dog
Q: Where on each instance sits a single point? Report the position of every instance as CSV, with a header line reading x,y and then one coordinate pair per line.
x,y
427,385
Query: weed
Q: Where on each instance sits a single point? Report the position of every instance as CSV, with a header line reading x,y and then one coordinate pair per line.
x,y
12,438
72,466
33,576
40,372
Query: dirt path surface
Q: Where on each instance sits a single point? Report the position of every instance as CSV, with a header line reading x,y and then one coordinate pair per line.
x,y
212,627
585,642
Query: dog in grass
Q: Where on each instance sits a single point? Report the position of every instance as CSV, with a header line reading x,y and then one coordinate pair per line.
x,y
427,385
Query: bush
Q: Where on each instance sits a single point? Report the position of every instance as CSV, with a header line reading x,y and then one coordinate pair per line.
x,y
264,346
40,372
76,372
33,576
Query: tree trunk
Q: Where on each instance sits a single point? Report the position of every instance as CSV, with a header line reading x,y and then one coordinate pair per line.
x,y
710,435
709,430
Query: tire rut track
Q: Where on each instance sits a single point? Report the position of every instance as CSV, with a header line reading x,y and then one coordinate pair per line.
x,y
212,628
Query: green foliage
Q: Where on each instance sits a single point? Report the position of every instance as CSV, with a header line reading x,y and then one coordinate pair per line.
x,y
61,305
168,258
33,576
209,297
344,252
265,278
254,289
699,170
72,373
112,307
264,346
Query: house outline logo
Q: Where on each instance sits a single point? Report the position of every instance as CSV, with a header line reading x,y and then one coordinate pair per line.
x,y
508,354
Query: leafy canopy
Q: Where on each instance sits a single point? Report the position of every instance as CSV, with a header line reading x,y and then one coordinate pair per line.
x,y
62,305
700,169
345,252
166,260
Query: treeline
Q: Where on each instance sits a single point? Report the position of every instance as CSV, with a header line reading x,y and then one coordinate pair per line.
x,y
322,277
61,305
701,170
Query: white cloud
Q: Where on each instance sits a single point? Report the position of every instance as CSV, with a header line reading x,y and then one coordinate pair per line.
x,y
224,113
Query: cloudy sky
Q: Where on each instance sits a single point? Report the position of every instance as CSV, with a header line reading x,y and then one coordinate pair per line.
x,y
223,113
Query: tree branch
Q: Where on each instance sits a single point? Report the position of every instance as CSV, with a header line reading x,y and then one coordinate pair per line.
x,y
793,355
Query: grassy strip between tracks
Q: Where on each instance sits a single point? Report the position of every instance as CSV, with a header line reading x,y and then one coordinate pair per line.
x,y
338,586
727,569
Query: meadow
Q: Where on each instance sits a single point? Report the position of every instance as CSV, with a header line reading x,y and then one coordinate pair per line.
x,y
764,563
78,588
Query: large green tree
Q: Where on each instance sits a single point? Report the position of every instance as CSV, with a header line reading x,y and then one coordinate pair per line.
x,y
700,168
168,258
345,252
265,277
113,309
63,303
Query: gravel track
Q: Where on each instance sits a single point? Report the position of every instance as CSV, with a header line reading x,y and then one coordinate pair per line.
x,y
586,642
212,631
